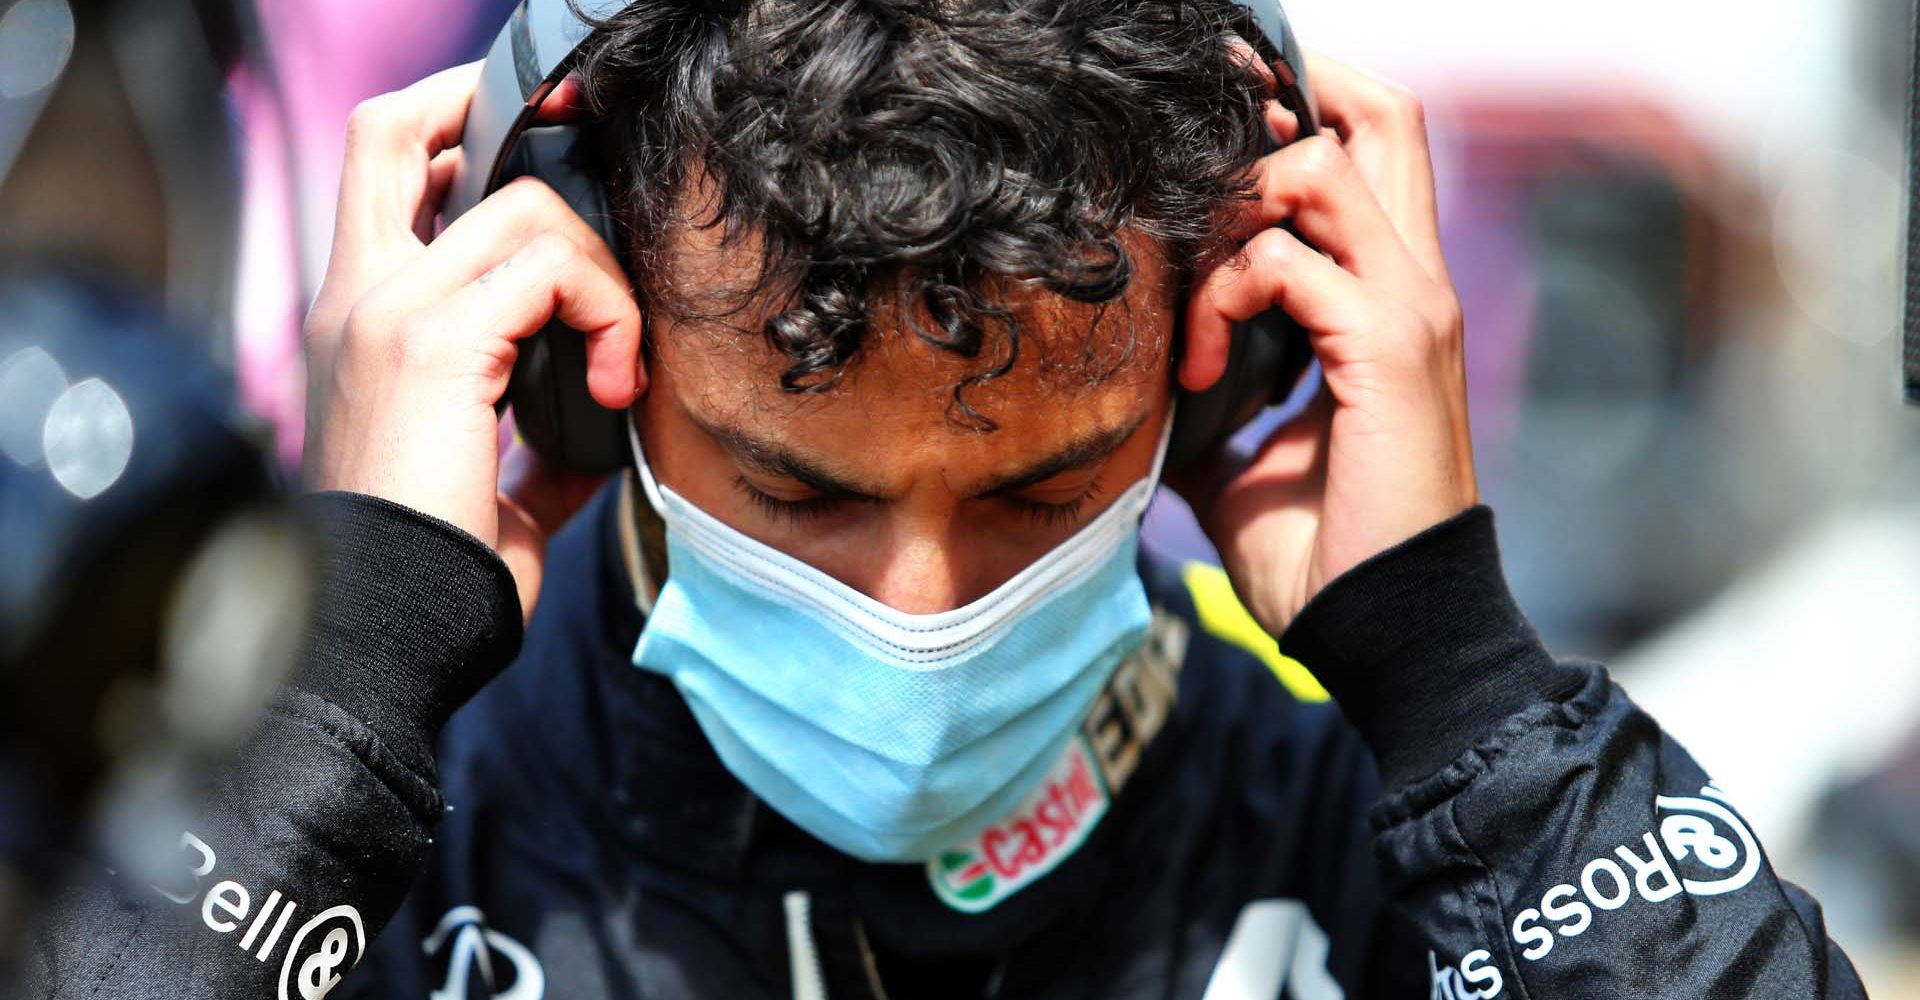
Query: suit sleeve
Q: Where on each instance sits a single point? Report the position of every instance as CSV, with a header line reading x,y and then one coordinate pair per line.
x,y
1540,833
310,838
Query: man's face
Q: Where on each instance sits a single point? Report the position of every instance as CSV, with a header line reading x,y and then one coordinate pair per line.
x,y
873,481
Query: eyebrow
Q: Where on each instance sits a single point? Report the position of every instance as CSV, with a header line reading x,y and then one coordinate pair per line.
x,y
1088,450
776,459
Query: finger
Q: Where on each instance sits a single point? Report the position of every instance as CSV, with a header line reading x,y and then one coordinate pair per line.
x,y
550,278
567,102
1282,124
1384,129
1315,186
440,176
391,141
1279,272
493,231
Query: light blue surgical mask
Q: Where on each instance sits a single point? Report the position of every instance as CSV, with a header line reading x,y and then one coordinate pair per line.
x,y
885,734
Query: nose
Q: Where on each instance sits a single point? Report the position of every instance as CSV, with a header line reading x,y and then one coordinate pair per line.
x,y
923,571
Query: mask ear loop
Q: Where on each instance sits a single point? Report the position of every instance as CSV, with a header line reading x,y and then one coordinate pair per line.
x,y
1160,450
650,485
643,532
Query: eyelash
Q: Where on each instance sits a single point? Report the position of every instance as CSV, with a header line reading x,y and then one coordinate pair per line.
x,y
790,511
1052,515
1046,515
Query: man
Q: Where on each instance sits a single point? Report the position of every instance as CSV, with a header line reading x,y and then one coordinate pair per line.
x,y
912,278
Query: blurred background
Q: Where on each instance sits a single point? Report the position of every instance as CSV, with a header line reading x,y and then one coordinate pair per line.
x,y
1676,231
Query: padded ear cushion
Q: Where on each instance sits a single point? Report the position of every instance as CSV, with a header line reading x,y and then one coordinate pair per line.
x,y
555,414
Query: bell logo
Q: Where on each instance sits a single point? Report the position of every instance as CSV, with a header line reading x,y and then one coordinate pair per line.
x,y
319,952
1042,831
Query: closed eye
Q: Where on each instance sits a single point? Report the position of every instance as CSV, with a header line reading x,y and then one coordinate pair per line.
x,y
1046,514
1051,515
790,511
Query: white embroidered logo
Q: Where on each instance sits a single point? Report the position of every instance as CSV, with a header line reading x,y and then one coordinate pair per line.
x,y
508,969
1476,979
319,953
1702,833
319,972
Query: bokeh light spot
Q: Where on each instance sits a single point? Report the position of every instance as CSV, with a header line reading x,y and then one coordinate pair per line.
x,y
88,438
1837,234
30,380
36,39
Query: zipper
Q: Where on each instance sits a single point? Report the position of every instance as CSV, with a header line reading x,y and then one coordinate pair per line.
x,y
803,956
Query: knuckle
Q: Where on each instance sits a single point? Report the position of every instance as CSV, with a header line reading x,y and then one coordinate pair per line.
x,y
1270,252
1321,158
372,325
1278,186
527,195
370,118
1404,106
555,248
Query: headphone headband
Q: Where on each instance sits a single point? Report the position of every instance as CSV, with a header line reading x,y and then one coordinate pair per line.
x,y
539,46
543,40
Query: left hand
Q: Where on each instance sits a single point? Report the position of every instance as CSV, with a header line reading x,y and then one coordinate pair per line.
x,y
1384,452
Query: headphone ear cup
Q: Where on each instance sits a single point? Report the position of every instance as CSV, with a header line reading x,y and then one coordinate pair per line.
x,y
552,408
1270,352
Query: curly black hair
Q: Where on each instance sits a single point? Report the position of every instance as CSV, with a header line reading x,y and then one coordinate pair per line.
x,y
924,151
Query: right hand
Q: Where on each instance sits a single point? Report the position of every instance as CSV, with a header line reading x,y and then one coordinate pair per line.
x,y
412,337
1384,453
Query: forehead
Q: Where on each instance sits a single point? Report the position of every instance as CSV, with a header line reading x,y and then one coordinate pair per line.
x,y
1074,360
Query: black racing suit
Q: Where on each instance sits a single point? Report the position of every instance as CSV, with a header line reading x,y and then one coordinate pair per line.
x,y
1473,820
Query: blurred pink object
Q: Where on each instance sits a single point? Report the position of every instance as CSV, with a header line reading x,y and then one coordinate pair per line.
x,y
329,55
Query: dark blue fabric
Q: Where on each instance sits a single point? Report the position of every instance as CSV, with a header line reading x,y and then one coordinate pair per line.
x,y
583,841
588,815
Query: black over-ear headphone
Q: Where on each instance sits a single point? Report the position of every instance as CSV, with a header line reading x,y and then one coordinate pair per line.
x,y
541,44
